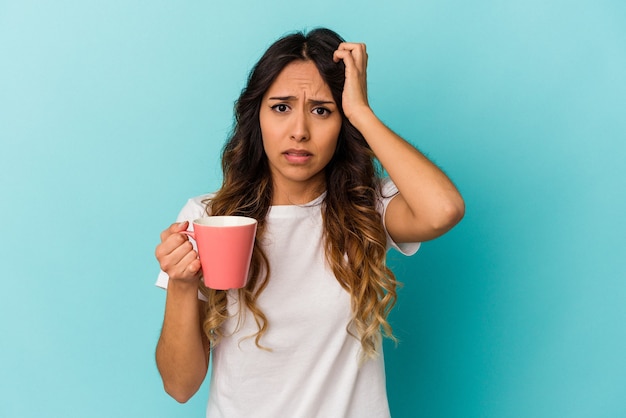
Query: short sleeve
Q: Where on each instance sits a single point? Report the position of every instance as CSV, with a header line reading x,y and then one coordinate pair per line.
x,y
192,210
388,191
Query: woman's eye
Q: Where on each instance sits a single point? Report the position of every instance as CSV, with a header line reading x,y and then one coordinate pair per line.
x,y
280,108
321,111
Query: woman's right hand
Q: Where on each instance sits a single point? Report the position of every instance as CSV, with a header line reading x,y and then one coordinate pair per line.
x,y
176,255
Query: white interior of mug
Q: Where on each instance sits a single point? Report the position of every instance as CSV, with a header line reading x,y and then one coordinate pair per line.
x,y
225,221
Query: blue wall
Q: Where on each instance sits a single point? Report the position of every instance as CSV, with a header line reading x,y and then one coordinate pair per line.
x,y
112,113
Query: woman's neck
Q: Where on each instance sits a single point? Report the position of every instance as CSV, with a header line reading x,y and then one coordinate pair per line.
x,y
296,194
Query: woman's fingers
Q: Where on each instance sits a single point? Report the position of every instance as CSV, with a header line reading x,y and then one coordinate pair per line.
x,y
169,243
176,255
189,265
182,263
353,52
359,49
174,229
354,56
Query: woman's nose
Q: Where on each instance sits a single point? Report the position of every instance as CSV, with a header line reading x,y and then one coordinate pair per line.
x,y
300,127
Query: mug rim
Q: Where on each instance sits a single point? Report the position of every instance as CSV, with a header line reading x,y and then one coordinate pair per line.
x,y
227,221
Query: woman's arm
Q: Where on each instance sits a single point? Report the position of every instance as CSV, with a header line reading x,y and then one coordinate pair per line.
x,y
182,353
428,204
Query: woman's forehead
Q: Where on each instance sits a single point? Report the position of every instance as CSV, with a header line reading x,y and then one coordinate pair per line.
x,y
300,78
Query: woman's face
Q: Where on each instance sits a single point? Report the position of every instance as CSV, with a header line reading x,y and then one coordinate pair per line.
x,y
300,124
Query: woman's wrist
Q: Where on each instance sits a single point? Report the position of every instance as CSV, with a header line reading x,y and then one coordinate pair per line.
x,y
182,287
362,118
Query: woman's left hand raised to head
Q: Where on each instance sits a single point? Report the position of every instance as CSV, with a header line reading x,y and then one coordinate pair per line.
x,y
428,204
354,56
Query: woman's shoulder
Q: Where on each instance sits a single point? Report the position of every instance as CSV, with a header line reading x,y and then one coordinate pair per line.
x,y
387,188
195,207
200,200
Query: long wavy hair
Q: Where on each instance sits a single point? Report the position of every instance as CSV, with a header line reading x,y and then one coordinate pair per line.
x,y
354,237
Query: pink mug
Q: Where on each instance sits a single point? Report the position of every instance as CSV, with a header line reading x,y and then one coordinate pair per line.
x,y
225,245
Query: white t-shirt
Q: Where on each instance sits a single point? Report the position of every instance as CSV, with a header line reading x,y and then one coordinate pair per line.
x,y
313,368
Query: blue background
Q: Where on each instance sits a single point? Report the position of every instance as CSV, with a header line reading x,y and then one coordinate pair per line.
x,y
113,113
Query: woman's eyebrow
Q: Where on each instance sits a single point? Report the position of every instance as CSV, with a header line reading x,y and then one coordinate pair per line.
x,y
292,98
321,102
283,98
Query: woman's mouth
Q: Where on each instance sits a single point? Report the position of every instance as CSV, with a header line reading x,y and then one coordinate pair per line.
x,y
297,156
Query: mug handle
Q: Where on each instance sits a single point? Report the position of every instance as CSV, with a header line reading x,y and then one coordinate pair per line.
x,y
189,234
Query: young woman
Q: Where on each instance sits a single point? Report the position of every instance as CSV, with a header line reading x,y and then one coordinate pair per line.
x,y
303,339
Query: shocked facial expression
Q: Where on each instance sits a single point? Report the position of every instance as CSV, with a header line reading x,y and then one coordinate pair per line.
x,y
300,124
